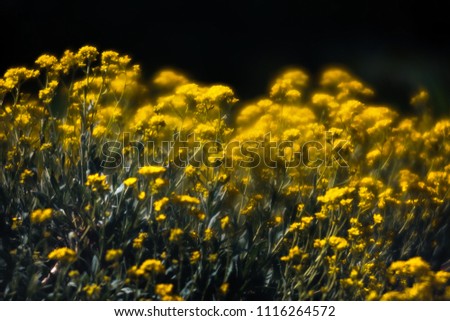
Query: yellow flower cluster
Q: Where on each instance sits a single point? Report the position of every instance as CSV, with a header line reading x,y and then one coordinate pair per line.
x,y
113,255
63,254
147,269
165,292
414,280
92,290
40,216
312,180
97,183
138,241
151,170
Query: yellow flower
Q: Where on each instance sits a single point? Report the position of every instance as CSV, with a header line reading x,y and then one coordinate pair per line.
x,y
377,218
45,146
288,84
151,170
318,243
415,266
67,61
224,222
322,215
158,205
63,254
353,232
141,196
110,57
86,54
161,217
97,182
224,288
73,274
334,194
212,258
189,170
293,253
441,277
175,234
22,119
159,182
130,181
113,255
337,242
153,266
169,79
186,199
420,99
201,216
195,257
25,175
40,216
92,290
304,223
163,289
15,76
139,241
278,219
208,234
99,131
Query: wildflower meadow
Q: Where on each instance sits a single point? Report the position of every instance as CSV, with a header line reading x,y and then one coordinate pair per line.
x,y
115,187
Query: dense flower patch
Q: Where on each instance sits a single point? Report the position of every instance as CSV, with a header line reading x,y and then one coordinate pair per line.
x,y
115,188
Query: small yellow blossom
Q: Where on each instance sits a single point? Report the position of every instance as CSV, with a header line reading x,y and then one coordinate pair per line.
x,y
163,289
159,204
26,175
113,255
97,183
73,274
208,234
212,258
338,243
92,290
63,254
139,241
353,232
377,219
186,199
224,222
40,216
151,170
152,266
175,234
160,217
130,181
224,288
293,253
195,257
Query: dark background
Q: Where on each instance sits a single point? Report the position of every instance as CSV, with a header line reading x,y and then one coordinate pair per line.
x,y
396,46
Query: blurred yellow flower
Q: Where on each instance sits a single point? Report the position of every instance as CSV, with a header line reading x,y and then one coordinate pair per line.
x,y
40,216
151,170
130,181
159,204
195,257
224,288
92,290
113,255
97,183
175,234
63,254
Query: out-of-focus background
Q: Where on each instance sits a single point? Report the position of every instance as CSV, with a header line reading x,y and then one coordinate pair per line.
x,y
396,46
